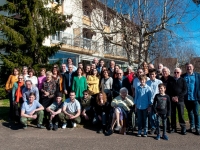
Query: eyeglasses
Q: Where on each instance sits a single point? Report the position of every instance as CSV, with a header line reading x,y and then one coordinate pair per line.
x,y
20,78
119,73
176,72
85,94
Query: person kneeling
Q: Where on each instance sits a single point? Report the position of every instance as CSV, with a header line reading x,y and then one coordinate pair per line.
x,y
102,112
32,110
71,111
121,105
54,109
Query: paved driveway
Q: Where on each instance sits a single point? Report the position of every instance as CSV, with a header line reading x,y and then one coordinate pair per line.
x,y
13,138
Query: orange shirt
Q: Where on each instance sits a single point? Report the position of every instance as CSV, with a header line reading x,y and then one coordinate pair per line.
x,y
10,82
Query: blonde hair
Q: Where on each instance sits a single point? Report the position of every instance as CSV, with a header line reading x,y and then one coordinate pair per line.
x,y
48,73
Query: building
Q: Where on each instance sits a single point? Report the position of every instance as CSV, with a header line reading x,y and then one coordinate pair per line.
x,y
81,41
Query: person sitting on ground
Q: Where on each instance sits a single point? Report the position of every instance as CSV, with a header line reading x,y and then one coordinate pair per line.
x,y
121,105
54,109
32,110
102,112
71,111
87,105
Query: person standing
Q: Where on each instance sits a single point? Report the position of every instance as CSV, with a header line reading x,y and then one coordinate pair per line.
x,y
17,97
192,97
93,83
178,89
9,85
79,84
118,83
153,84
143,104
161,106
67,81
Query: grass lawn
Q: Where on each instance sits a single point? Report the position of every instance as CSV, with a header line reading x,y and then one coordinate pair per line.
x,y
4,110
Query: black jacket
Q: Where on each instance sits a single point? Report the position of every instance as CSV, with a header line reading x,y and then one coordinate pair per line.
x,y
177,88
66,81
117,86
197,85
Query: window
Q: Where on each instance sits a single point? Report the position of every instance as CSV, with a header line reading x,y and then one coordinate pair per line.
x,y
57,36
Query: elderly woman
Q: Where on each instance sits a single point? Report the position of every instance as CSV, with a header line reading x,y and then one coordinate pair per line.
x,y
166,78
129,74
48,90
17,96
57,77
121,105
31,77
41,78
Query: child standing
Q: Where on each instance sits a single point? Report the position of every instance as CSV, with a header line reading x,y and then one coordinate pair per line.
x,y
162,108
153,84
143,104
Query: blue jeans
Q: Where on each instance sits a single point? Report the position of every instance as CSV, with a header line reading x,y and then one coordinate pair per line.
x,y
152,117
164,120
142,119
193,114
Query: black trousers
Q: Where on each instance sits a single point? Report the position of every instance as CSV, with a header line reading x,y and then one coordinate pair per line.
x,y
180,107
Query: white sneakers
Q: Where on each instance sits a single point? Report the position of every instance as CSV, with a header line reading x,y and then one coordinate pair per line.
x,y
74,125
64,126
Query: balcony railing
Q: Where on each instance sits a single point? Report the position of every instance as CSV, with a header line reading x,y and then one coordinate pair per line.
x,y
88,44
114,50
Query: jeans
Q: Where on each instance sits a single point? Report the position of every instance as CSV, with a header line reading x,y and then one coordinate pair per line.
x,y
152,117
40,115
164,120
193,114
180,108
142,119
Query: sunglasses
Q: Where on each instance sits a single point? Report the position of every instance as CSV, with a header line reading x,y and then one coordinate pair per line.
x,y
176,72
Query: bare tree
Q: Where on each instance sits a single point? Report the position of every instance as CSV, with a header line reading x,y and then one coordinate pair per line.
x,y
135,24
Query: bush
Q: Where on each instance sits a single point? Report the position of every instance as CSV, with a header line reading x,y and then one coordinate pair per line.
x,y
2,93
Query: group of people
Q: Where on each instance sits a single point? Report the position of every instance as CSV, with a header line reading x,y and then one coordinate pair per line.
x,y
106,97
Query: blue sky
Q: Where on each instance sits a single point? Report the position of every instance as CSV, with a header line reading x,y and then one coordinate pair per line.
x,y
191,30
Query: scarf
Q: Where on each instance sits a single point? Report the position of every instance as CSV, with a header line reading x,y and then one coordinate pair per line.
x,y
130,77
18,93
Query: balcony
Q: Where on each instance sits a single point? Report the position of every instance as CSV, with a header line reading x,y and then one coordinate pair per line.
x,y
88,46
114,50
76,43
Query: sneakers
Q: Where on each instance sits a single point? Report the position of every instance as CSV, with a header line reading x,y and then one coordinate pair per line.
x,y
64,126
139,133
158,137
41,126
145,134
165,137
24,127
152,131
55,127
74,125
100,131
117,128
183,131
110,132
50,126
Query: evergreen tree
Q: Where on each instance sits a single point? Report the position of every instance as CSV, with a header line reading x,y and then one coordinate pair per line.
x,y
27,25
